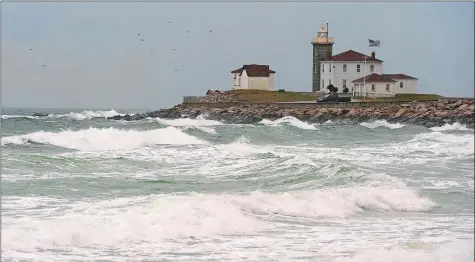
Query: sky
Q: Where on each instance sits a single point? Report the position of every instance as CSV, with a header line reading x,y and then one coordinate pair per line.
x,y
95,59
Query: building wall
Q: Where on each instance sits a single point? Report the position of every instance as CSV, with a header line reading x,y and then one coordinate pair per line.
x,y
379,89
321,52
337,75
241,81
409,86
244,80
272,81
261,83
235,81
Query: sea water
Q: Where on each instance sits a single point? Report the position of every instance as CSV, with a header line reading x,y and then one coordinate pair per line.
x,y
79,187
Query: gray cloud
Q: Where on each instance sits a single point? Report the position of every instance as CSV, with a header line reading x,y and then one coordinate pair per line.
x,y
95,58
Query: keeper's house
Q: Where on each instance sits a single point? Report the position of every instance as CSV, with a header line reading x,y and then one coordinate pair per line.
x,y
348,70
253,77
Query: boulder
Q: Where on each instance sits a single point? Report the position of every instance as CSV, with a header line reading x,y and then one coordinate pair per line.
x,y
40,114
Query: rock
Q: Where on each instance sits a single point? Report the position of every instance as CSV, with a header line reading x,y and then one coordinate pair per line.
x,y
401,112
117,117
40,114
424,113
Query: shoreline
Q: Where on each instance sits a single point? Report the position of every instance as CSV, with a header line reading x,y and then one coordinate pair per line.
x,y
425,113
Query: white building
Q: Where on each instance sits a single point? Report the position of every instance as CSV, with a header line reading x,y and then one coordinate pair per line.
x,y
253,77
405,84
341,69
374,85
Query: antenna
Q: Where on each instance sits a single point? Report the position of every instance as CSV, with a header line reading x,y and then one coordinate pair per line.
x,y
327,32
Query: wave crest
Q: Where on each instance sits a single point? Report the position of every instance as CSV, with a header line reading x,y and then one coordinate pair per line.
x,y
382,123
290,120
103,139
73,115
450,127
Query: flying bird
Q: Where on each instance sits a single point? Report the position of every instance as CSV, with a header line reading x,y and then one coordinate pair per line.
x,y
43,65
169,22
187,31
182,66
141,40
138,33
210,31
31,49
151,49
174,49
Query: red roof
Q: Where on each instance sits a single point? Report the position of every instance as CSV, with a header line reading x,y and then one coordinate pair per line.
x,y
254,70
352,56
399,76
374,78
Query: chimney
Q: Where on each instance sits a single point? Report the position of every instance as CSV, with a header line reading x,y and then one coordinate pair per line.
x,y
373,55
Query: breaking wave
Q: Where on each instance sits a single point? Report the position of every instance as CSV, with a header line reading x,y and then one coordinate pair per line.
x,y
97,139
290,120
160,217
17,116
198,121
382,123
72,115
450,127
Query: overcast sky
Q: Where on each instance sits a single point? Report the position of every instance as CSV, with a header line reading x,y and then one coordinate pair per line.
x,y
94,57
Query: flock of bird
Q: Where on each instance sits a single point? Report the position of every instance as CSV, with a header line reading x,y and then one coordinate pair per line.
x,y
151,49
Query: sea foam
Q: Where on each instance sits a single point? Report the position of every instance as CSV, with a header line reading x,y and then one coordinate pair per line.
x,y
97,139
382,123
290,120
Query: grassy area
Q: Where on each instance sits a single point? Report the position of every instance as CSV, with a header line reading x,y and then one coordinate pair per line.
x,y
264,96
405,97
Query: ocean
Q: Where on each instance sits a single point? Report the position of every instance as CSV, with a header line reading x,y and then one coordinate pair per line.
x,y
79,187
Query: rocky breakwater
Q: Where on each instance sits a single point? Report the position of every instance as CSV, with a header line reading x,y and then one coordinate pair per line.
x,y
429,113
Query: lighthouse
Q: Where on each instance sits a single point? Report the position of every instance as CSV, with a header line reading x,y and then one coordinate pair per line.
x,y
322,51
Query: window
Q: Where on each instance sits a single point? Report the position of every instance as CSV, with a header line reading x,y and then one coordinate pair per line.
x,y
315,70
323,84
344,83
344,68
330,68
323,67
373,88
387,88
401,85
329,81
357,68
371,68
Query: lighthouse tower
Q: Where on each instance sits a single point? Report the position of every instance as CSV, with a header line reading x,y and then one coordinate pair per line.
x,y
322,51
